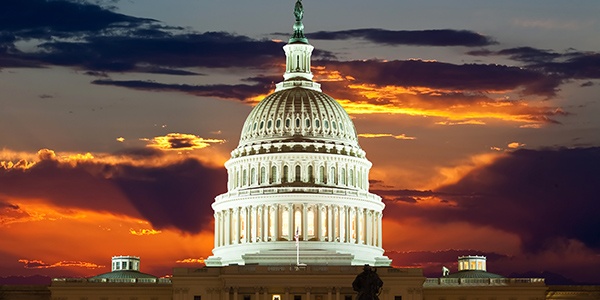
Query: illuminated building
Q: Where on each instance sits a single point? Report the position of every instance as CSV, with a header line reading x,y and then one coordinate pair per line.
x,y
298,221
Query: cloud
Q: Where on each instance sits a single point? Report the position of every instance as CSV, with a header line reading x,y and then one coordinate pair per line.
x,y
378,135
571,64
240,92
39,264
543,196
446,76
180,141
168,192
191,261
515,145
437,37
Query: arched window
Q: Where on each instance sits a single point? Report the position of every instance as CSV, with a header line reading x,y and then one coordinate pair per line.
x,y
322,178
273,174
284,176
261,179
343,176
311,176
351,177
298,173
244,177
332,176
253,176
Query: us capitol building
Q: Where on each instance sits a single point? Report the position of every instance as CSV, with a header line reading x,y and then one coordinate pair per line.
x,y
298,221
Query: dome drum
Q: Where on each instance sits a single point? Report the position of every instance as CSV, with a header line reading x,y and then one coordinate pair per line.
x,y
298,169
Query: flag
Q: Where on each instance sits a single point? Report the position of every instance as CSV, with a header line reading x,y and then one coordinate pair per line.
x,y
297,236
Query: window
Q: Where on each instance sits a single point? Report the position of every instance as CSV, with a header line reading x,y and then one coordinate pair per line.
x,y
262,124
288,122
298,174
278,123
261,179
297,122
347,297
269,124
197,297
253,176
317,123
273,174
311,176
284,177
276,297
307,123
334,125
299,297
246,297
326,124
244,177
397,297
322,174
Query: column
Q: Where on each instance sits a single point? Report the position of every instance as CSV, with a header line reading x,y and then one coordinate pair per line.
x,y
318,218
247,224
330,222
348,223
379,231
216,230
235,293
338,221
256,293
236,229
307,293
286,295
304,222
265,223
227,227
369,220
337,293
357,227
291,221
329,294
276,226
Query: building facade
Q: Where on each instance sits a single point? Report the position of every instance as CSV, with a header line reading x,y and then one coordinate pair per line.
x,y
297,221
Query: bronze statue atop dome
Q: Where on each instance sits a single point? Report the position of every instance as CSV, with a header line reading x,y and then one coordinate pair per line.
x,y
298,11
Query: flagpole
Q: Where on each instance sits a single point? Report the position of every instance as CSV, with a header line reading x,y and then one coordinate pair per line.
x,y
297,246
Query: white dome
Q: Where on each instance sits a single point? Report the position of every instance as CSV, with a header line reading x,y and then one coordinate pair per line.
x,y
298,182
298,114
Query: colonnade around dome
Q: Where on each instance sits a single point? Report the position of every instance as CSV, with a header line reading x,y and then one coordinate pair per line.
x,y
315,170
310,222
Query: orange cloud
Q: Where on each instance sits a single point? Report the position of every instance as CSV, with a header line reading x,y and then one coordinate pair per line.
x,y
378,135
180,141
144,231
39,264
515,145
191,261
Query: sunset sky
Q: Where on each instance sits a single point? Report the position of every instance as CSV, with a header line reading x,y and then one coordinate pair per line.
x,y
481,119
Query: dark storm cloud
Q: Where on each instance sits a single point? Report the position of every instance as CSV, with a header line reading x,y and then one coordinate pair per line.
x,y
438,37
173,195
571,64
546,197
92,37
225,91
44,19
440,75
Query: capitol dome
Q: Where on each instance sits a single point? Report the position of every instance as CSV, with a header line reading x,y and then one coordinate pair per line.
x,y
298,181
298,113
